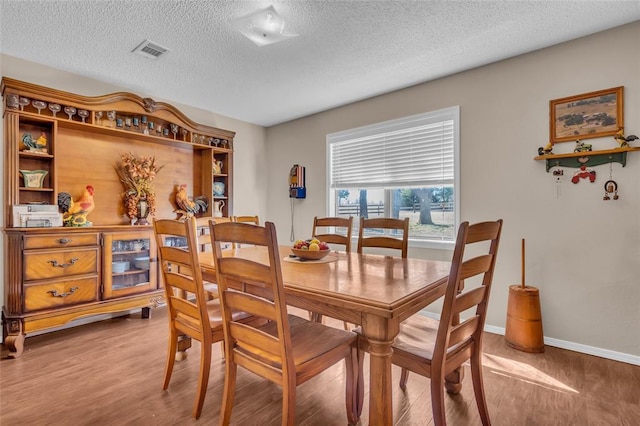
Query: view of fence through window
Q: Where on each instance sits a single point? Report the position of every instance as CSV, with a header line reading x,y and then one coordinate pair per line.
x,y
430,210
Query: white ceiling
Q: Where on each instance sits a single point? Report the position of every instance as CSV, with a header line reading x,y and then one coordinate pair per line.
x,y
346,50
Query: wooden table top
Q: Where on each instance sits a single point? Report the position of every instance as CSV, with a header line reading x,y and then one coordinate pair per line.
x,y
376,284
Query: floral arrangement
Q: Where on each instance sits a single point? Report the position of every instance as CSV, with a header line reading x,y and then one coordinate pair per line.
x,y
137,175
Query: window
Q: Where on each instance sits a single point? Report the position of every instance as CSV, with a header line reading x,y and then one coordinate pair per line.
x,y
404,167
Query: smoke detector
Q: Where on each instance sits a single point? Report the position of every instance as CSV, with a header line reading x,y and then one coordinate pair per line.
x,y
150,50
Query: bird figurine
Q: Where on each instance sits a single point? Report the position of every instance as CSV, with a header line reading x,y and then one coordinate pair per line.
x,y
38,145
622,140
75,211
546,150
188,207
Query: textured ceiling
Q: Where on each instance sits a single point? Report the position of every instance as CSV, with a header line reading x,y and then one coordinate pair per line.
x,y
346,50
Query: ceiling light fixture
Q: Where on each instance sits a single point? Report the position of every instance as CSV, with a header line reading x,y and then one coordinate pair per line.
x,y
263,27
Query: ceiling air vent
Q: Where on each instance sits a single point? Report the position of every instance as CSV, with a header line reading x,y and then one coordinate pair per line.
x,y
150,50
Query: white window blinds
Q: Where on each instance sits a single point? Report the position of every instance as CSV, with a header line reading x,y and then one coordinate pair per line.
x,y
409,152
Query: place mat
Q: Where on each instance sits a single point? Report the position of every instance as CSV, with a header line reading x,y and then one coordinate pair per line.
x,y
328,258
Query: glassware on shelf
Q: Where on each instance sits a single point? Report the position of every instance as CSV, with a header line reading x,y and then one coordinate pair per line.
x,y
39,105
174,130
55,108
70,111
13,101
83,114
111,115
98,117
23,102
184,132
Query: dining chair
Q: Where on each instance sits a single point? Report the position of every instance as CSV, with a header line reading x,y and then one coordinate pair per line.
x,y
190,312
435,348
202,228
204,245
384,240
324,229
323,225
288,350
255,220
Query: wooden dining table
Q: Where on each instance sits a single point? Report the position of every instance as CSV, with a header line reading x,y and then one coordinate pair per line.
x,y
374,291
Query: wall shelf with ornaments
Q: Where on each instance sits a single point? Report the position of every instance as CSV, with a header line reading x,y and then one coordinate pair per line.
x,y
594,158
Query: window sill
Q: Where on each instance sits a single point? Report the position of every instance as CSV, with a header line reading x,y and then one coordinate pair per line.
x,y
433,244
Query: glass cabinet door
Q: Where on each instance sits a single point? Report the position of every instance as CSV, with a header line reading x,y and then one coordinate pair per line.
x,y
130,263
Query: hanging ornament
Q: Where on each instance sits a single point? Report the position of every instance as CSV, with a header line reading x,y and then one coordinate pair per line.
x,y
584,173
558,173
610,186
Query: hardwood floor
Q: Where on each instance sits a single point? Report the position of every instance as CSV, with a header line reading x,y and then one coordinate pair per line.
x,y
110,373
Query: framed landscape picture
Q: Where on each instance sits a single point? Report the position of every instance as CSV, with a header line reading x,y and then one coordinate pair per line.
x,y
590,115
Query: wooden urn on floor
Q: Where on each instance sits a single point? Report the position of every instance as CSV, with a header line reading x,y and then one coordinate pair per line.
x,y
524,318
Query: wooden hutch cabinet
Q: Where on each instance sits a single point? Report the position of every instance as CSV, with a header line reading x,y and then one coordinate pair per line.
x,y
56,141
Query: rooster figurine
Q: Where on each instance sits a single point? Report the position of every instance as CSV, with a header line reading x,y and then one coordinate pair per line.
x,y
75,212
622,140
37,145
188,207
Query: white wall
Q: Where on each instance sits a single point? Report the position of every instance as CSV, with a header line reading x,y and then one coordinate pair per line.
x,y
583,253
250,188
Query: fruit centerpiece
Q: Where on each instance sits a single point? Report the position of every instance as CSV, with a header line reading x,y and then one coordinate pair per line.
x,y
312,249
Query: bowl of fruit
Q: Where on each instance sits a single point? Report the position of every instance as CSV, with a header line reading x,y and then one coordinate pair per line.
x,y
312,249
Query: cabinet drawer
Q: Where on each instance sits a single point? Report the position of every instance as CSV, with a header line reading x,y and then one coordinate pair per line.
x,y
60,241
60,293
60,263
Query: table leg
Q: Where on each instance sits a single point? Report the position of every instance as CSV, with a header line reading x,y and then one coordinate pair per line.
x,y
380,383
380,333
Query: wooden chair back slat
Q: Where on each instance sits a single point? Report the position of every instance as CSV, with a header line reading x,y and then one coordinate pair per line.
x,y
476,266
468,299
253,341
255,220
321,226
384,241
251,304
461,333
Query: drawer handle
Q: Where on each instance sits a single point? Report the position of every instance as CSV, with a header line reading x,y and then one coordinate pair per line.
x,y
54,293
55,263
64,240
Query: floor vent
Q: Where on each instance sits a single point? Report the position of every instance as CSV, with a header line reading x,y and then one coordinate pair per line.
x,y
149,49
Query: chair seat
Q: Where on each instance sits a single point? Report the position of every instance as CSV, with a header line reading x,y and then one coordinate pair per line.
x,y
418,337
309,340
